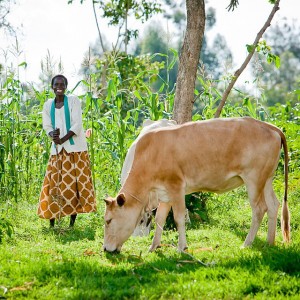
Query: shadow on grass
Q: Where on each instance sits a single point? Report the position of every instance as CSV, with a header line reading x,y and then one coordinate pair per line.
x,y
121,276
278,258
68,234
126,276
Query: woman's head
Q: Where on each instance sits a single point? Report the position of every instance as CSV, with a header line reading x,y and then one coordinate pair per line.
x,y
59,84
57,77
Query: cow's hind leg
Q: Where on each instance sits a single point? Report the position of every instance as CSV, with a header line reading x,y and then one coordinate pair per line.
x,y
272,205
259,207
160,219
179,217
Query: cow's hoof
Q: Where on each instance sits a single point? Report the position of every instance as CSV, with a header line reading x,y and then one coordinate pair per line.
x,y
154,247
245,246
183,249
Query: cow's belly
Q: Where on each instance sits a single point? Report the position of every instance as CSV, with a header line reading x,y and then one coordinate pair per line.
x,y
217,186
161,193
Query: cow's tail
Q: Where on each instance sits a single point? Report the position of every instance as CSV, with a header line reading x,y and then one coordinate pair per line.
x,y
285,214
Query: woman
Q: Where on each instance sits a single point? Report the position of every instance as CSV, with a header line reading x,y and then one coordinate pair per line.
x,y
67,189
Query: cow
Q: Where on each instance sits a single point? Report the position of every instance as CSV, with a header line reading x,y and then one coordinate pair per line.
x,y
215,155
143,228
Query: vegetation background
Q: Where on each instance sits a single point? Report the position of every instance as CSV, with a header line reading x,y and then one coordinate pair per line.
x,y
122,89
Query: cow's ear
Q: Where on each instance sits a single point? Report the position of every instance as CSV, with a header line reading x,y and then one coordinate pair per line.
x,y
121,199
108,201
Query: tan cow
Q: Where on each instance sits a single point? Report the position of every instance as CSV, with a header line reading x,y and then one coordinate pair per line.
x,y
217,156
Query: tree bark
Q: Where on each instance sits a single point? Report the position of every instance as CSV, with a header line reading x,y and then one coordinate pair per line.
x,y
188,62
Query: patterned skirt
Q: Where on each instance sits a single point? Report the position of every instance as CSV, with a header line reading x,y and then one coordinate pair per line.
x,y
67,187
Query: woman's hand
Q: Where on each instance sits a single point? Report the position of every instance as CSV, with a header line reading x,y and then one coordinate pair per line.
x,y
55,136
56,139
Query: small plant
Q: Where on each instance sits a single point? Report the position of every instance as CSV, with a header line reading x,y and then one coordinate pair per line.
x,y
6,228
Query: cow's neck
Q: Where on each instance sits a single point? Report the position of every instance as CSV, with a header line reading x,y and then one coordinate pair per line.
x,y
137,194
127,193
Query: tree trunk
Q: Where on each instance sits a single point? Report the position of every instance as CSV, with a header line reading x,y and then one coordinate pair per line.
x,y
188,62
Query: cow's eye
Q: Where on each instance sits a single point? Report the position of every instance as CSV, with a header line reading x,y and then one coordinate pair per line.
x,y
108,221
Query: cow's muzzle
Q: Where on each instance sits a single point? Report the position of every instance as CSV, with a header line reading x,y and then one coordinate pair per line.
x,y
115,251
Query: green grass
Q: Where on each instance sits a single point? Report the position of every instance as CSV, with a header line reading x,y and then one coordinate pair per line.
x,y
42,263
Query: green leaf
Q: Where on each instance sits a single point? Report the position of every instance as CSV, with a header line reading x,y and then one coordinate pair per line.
x,y
174,60
277,61
137,94
110,90
24,63
161,88
249,48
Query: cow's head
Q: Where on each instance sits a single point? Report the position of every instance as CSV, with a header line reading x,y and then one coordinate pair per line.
x,y
121,217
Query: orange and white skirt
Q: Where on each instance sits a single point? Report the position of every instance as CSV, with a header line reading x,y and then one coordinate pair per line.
x,y
67,187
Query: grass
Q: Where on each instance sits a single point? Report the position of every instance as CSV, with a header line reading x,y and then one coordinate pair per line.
x,y
62,263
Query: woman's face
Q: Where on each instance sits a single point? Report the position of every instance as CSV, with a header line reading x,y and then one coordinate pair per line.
x,y
59,86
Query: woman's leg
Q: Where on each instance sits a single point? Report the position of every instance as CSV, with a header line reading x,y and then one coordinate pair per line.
x,y
72,220
52,222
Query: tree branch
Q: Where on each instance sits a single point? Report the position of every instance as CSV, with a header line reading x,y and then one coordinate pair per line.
x,y
239,71
100,36
233,4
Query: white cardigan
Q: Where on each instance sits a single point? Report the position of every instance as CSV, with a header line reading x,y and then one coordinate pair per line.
x,y
79,138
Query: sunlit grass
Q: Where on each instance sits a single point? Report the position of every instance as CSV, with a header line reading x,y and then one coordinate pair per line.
x,y
62,263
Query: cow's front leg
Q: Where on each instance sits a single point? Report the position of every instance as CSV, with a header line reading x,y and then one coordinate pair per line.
x,y
179,217
160,219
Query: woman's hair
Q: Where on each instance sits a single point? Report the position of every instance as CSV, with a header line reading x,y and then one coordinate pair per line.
x,y
59,76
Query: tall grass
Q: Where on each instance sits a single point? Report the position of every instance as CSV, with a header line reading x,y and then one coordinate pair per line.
x,y
21,140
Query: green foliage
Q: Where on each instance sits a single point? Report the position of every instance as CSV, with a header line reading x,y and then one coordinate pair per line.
x,y
118,11
114,10
288,118
263,48
6,228
154,41
206,98
20,141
